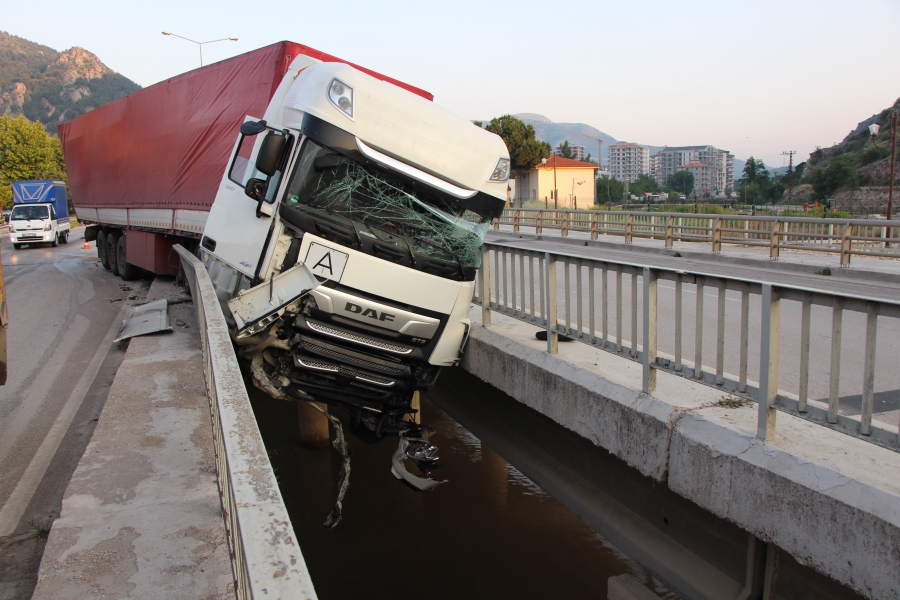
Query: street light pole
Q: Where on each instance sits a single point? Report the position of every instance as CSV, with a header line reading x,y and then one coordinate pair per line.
x,y
200,44
873,129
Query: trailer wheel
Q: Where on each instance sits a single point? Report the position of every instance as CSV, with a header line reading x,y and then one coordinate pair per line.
x,y
101,249
127,272
112,245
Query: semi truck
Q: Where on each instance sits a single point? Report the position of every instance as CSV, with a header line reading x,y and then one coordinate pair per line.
x,y
40,213
340,214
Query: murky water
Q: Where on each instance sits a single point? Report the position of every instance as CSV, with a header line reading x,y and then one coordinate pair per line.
x,y
490,532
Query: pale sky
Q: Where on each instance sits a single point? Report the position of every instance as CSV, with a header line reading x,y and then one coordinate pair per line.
x,y
755,78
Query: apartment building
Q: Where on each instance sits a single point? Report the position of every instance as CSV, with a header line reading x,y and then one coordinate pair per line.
x,y
628,161
577,151
720,165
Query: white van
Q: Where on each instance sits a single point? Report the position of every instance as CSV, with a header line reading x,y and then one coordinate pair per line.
x,y
37,223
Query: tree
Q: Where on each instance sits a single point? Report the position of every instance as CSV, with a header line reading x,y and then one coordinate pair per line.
x,y
644,183
565,150
27,152
609,190
840,172
525,150
681,181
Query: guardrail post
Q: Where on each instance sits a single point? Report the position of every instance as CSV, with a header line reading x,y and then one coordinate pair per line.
x,y
539,223
629,223
868,396
594,217
565,224
768,362
650,338
485,291
550,279
496,224
670,230
717,236
846,245
775,239
516,215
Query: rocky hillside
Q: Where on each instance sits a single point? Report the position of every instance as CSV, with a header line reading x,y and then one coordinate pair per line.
x,y
52,87
854,172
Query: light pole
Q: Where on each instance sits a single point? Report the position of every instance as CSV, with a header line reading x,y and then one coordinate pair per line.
x,y
873,129
200,44
555,192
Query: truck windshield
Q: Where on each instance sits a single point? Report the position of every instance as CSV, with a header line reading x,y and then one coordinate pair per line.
x,y
27,213
375,199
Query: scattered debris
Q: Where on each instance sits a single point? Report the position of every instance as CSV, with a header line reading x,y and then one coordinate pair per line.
x,y
181,323
144,319
423,453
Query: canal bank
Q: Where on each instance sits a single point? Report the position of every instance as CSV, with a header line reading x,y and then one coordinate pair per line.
x,y
814,497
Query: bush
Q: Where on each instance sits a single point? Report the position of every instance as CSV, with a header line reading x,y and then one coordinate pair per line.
x,y
873,154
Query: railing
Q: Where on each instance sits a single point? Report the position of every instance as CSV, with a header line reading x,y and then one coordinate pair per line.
x,y
521,277
265,556
846,237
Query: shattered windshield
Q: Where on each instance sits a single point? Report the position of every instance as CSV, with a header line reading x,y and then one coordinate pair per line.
x,y
28,213
373,199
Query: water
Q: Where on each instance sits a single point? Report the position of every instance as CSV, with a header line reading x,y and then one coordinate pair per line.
x,y
490,532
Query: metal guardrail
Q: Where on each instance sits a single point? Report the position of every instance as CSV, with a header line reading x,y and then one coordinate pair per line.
x,y
265,556
846,237
521,276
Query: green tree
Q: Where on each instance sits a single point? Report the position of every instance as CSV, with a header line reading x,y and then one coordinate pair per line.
x,y
565,150
525,150
609,190
644,183
27,152
681,181
841,172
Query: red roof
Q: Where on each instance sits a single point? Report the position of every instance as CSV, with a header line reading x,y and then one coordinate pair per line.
x,y
565,163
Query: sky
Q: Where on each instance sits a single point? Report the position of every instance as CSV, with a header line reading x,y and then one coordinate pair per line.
x,y
756,78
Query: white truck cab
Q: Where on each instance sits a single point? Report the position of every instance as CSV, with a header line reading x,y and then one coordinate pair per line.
x,y
345,238
40,213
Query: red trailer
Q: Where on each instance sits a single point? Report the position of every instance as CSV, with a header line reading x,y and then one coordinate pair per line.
x,y
144,170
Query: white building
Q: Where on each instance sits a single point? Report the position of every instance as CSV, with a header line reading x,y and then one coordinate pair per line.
x,y
719,163
577,151
628,161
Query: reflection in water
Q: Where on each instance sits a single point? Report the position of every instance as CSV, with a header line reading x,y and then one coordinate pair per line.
x,y
490,532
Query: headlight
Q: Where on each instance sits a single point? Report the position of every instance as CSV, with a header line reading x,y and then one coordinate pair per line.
x,y
341,95
12,229
48,227
501,171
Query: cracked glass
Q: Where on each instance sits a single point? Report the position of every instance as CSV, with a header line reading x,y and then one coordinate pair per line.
x,y
377,202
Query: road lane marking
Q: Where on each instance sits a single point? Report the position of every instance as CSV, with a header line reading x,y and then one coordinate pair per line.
x,y
18,501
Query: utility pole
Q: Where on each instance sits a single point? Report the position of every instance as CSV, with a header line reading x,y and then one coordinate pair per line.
x,y
790,154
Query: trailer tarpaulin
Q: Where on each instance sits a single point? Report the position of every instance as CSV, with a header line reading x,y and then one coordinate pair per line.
x,y
167,146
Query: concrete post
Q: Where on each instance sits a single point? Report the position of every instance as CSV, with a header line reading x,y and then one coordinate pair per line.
x,y
313,426
416,404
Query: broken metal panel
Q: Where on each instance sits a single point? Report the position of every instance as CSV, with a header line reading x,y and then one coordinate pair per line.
x,y
423,454
256,308
144,319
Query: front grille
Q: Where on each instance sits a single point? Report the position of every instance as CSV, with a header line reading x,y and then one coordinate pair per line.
x,y
359,339
312,347
343,370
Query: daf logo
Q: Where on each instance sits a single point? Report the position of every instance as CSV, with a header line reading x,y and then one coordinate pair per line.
x,y
368,312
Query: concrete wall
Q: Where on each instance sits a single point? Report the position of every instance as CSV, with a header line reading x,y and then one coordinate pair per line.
x,y
829,500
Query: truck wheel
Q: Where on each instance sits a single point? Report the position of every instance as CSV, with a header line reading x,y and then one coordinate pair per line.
x,y
64,238
17,246
55,241
127,271
101,249
112,245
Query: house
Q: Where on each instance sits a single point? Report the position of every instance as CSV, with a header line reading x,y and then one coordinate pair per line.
x,y
574,183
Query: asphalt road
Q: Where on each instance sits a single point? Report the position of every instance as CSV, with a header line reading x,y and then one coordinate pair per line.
x,y
887,376
64,310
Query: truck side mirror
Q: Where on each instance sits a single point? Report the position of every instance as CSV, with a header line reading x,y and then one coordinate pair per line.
x,y
256,189
269,157
326,163
253,127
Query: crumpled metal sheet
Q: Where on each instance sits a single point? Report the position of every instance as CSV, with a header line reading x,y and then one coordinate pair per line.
x,y
144,319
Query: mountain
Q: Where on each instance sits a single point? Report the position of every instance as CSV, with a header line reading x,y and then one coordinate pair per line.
x,y
578,134
53,87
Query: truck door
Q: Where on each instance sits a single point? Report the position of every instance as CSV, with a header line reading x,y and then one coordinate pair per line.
x,y
239,225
